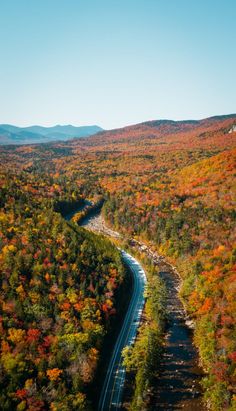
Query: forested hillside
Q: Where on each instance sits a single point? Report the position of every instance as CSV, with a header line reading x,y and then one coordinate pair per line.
x,y
170,184
190,217
57,297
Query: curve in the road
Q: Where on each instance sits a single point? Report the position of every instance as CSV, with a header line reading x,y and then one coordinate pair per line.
x,y
113,386
112,390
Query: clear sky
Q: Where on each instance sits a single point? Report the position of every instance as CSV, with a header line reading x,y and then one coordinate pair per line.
x,y
116,62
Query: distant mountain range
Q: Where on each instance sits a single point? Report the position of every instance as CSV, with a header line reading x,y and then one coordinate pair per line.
x,y
37,134
156,128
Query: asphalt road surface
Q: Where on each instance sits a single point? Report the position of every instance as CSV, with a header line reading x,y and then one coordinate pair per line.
x,y
112,390
113,386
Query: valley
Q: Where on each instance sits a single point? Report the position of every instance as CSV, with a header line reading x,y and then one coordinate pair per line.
x,y
178,384
168,195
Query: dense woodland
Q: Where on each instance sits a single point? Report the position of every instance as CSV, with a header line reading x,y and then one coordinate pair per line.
x,y
172,184
58,286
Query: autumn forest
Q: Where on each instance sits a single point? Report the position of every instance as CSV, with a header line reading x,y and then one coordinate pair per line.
x,y
168,185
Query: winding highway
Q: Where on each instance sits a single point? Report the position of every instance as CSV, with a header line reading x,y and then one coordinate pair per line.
x,y
112,390
179,382
113,386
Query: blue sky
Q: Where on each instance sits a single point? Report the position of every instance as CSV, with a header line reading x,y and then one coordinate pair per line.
x,y
116,62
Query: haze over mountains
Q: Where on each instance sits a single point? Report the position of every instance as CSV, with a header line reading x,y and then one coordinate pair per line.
x,y
10,134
